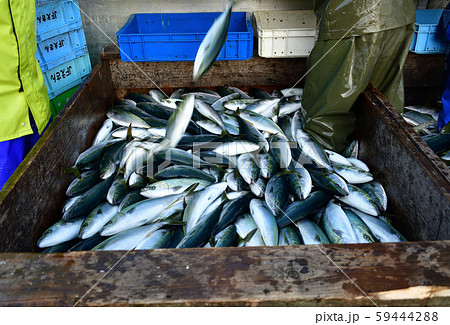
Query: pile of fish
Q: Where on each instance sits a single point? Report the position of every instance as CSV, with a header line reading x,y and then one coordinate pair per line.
x,y
424,121
205,168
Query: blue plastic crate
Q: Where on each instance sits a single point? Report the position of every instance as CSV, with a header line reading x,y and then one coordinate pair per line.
x,y
425,40
61,48
66,75
54,17
177,37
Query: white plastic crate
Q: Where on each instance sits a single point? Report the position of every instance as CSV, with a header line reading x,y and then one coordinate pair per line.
x,y
289,34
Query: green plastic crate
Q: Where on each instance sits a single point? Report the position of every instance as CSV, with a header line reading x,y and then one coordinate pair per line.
x,y
58,103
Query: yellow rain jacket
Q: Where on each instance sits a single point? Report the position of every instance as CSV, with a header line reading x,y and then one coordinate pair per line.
x,y
22,87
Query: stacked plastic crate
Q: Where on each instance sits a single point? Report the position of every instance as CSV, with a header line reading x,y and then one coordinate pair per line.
x,y
61,49
426,38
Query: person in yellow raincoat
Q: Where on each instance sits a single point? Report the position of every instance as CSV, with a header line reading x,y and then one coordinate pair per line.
x,y
358,42
24,105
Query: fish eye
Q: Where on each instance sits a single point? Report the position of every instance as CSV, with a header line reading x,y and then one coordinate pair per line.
x,y
152,187
366,237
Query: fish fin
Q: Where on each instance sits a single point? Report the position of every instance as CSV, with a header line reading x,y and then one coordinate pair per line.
x,y
211,241
191,189
250,235
224,133
129,133
225,197
74,170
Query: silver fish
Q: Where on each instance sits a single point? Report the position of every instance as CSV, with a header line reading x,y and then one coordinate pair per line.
x,y
337,226
236,148
128,239
358,163
172,186
359,199
244,226
200,203
384,232
352,174
156,239
139,214
248,168
311,233
179,121
289,92
210,113
265,221
212,43
290,107
337,159
60,232
104,131
95,221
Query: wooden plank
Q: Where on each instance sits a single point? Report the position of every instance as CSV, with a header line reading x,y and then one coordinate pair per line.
x,y
420,71
24,217
232,73
424,70
416,180
258,276
423,76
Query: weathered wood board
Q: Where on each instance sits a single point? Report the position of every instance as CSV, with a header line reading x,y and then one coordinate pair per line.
x,y
422,74
416,180
412,274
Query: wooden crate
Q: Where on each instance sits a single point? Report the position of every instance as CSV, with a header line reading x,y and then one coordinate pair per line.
x,y
390,274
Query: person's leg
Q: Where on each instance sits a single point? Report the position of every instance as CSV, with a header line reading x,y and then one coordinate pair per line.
x,y
387,75
11,155
338,71
13,151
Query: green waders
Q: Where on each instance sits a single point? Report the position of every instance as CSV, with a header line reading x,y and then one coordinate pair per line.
x,y
340,68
